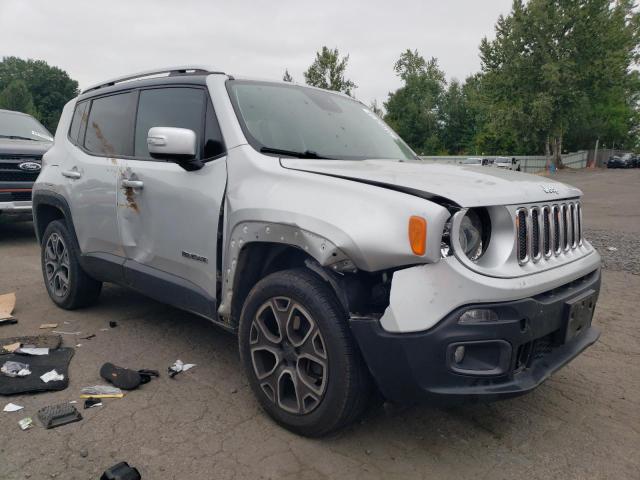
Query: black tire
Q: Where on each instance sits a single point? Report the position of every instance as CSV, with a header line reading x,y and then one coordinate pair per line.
x,y
346,381
81,290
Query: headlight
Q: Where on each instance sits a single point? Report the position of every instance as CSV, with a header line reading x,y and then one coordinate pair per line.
x,y
473,235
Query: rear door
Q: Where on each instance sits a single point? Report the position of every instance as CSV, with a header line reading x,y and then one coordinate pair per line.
x,y
101,131
169,223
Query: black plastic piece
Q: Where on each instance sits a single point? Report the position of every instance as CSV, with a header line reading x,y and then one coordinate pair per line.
x,y
53,416
121,471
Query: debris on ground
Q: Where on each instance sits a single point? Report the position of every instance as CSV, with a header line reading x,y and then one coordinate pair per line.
x,y
12,347
51,376
92,402
612,249
7,304
88,337
126,378
15,369
58,359
52,342
121,471
66,333
101,391
53,416
12,407
48,325
33,351
178,367
113,324
26,423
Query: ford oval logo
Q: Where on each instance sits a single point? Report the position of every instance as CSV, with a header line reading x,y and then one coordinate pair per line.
x,y
30,166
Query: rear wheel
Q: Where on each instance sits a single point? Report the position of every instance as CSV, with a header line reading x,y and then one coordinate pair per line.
x,y
67,284
298,353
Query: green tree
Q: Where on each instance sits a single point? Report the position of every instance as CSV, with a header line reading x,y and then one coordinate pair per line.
x,y
328,71
287,76
560,71
415,109
15,96
50,87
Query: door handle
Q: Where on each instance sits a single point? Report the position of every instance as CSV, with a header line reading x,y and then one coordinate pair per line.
x,y
71,174
132,183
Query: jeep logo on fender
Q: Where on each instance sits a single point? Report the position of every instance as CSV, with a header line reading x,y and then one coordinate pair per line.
x,y
550,189
30,166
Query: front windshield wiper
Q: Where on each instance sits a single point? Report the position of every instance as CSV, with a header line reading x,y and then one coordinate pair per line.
x,y
18,137
293,153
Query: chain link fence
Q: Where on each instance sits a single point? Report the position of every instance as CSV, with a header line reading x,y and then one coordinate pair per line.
x,y
528,163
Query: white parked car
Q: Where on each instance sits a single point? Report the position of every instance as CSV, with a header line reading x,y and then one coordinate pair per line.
x,y
297,219
507,163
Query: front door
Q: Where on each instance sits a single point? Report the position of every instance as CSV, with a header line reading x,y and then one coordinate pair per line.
x,y
168,217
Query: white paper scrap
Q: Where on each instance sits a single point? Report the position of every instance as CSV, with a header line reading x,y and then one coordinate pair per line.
x,y
33,351
12,407
51,376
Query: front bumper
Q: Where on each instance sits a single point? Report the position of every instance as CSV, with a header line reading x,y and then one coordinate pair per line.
x,y
16,197
15,207
527,342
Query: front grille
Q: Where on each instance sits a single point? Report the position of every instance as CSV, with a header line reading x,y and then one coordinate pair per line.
x,y
547,231
22,196
521,222
10,172
535,233
18,176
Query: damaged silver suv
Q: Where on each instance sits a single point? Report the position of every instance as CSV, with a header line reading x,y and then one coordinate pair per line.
x,y
297,219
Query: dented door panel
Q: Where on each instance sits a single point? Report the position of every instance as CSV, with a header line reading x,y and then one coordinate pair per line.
x,y
170,223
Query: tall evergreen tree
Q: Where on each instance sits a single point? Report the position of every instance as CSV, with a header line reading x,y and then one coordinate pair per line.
x,y
16,96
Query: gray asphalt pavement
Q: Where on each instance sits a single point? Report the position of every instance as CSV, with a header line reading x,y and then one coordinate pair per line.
x,y
205,424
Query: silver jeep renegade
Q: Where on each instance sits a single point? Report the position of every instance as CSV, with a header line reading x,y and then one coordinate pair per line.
x,y
297,219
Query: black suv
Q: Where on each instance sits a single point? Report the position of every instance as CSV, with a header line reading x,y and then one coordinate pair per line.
x,y
23,141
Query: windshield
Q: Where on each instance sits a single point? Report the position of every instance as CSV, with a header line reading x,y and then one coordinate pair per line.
x,y
299,121
22,127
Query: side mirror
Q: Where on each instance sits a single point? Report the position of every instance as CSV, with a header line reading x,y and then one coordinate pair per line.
x,y
174,144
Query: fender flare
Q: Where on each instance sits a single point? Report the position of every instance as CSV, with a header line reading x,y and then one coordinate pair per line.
x,y
52,199
321,249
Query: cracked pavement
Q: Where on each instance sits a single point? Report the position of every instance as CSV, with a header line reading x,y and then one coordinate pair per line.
x,y
584,422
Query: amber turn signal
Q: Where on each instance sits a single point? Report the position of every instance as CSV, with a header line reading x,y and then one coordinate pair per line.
x,y
418,235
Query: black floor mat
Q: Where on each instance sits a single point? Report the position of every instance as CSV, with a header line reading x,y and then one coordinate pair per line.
x,y
38,364
40,341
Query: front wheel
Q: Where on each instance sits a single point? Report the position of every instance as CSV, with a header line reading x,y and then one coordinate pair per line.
x,y
67,284
297,351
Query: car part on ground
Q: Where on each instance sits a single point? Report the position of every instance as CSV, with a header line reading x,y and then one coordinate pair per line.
x,y
299,220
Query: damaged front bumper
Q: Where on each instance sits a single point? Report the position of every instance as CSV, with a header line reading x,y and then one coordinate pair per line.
x,y
507,354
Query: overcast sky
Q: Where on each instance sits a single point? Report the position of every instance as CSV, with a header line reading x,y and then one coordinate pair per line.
x,y
94,41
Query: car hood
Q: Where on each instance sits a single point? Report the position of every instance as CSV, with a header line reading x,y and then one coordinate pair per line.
x,y
9,146
467,186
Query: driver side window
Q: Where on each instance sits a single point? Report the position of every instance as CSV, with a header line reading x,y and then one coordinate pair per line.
x,y
181,107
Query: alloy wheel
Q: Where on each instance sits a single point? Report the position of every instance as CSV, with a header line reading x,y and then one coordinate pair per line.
x,y
289,356
57,267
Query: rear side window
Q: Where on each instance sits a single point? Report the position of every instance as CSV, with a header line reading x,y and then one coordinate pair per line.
x,y
110,125
180,107
78,122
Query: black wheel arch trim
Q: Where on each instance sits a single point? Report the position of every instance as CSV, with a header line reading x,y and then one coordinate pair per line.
x,y
52,199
